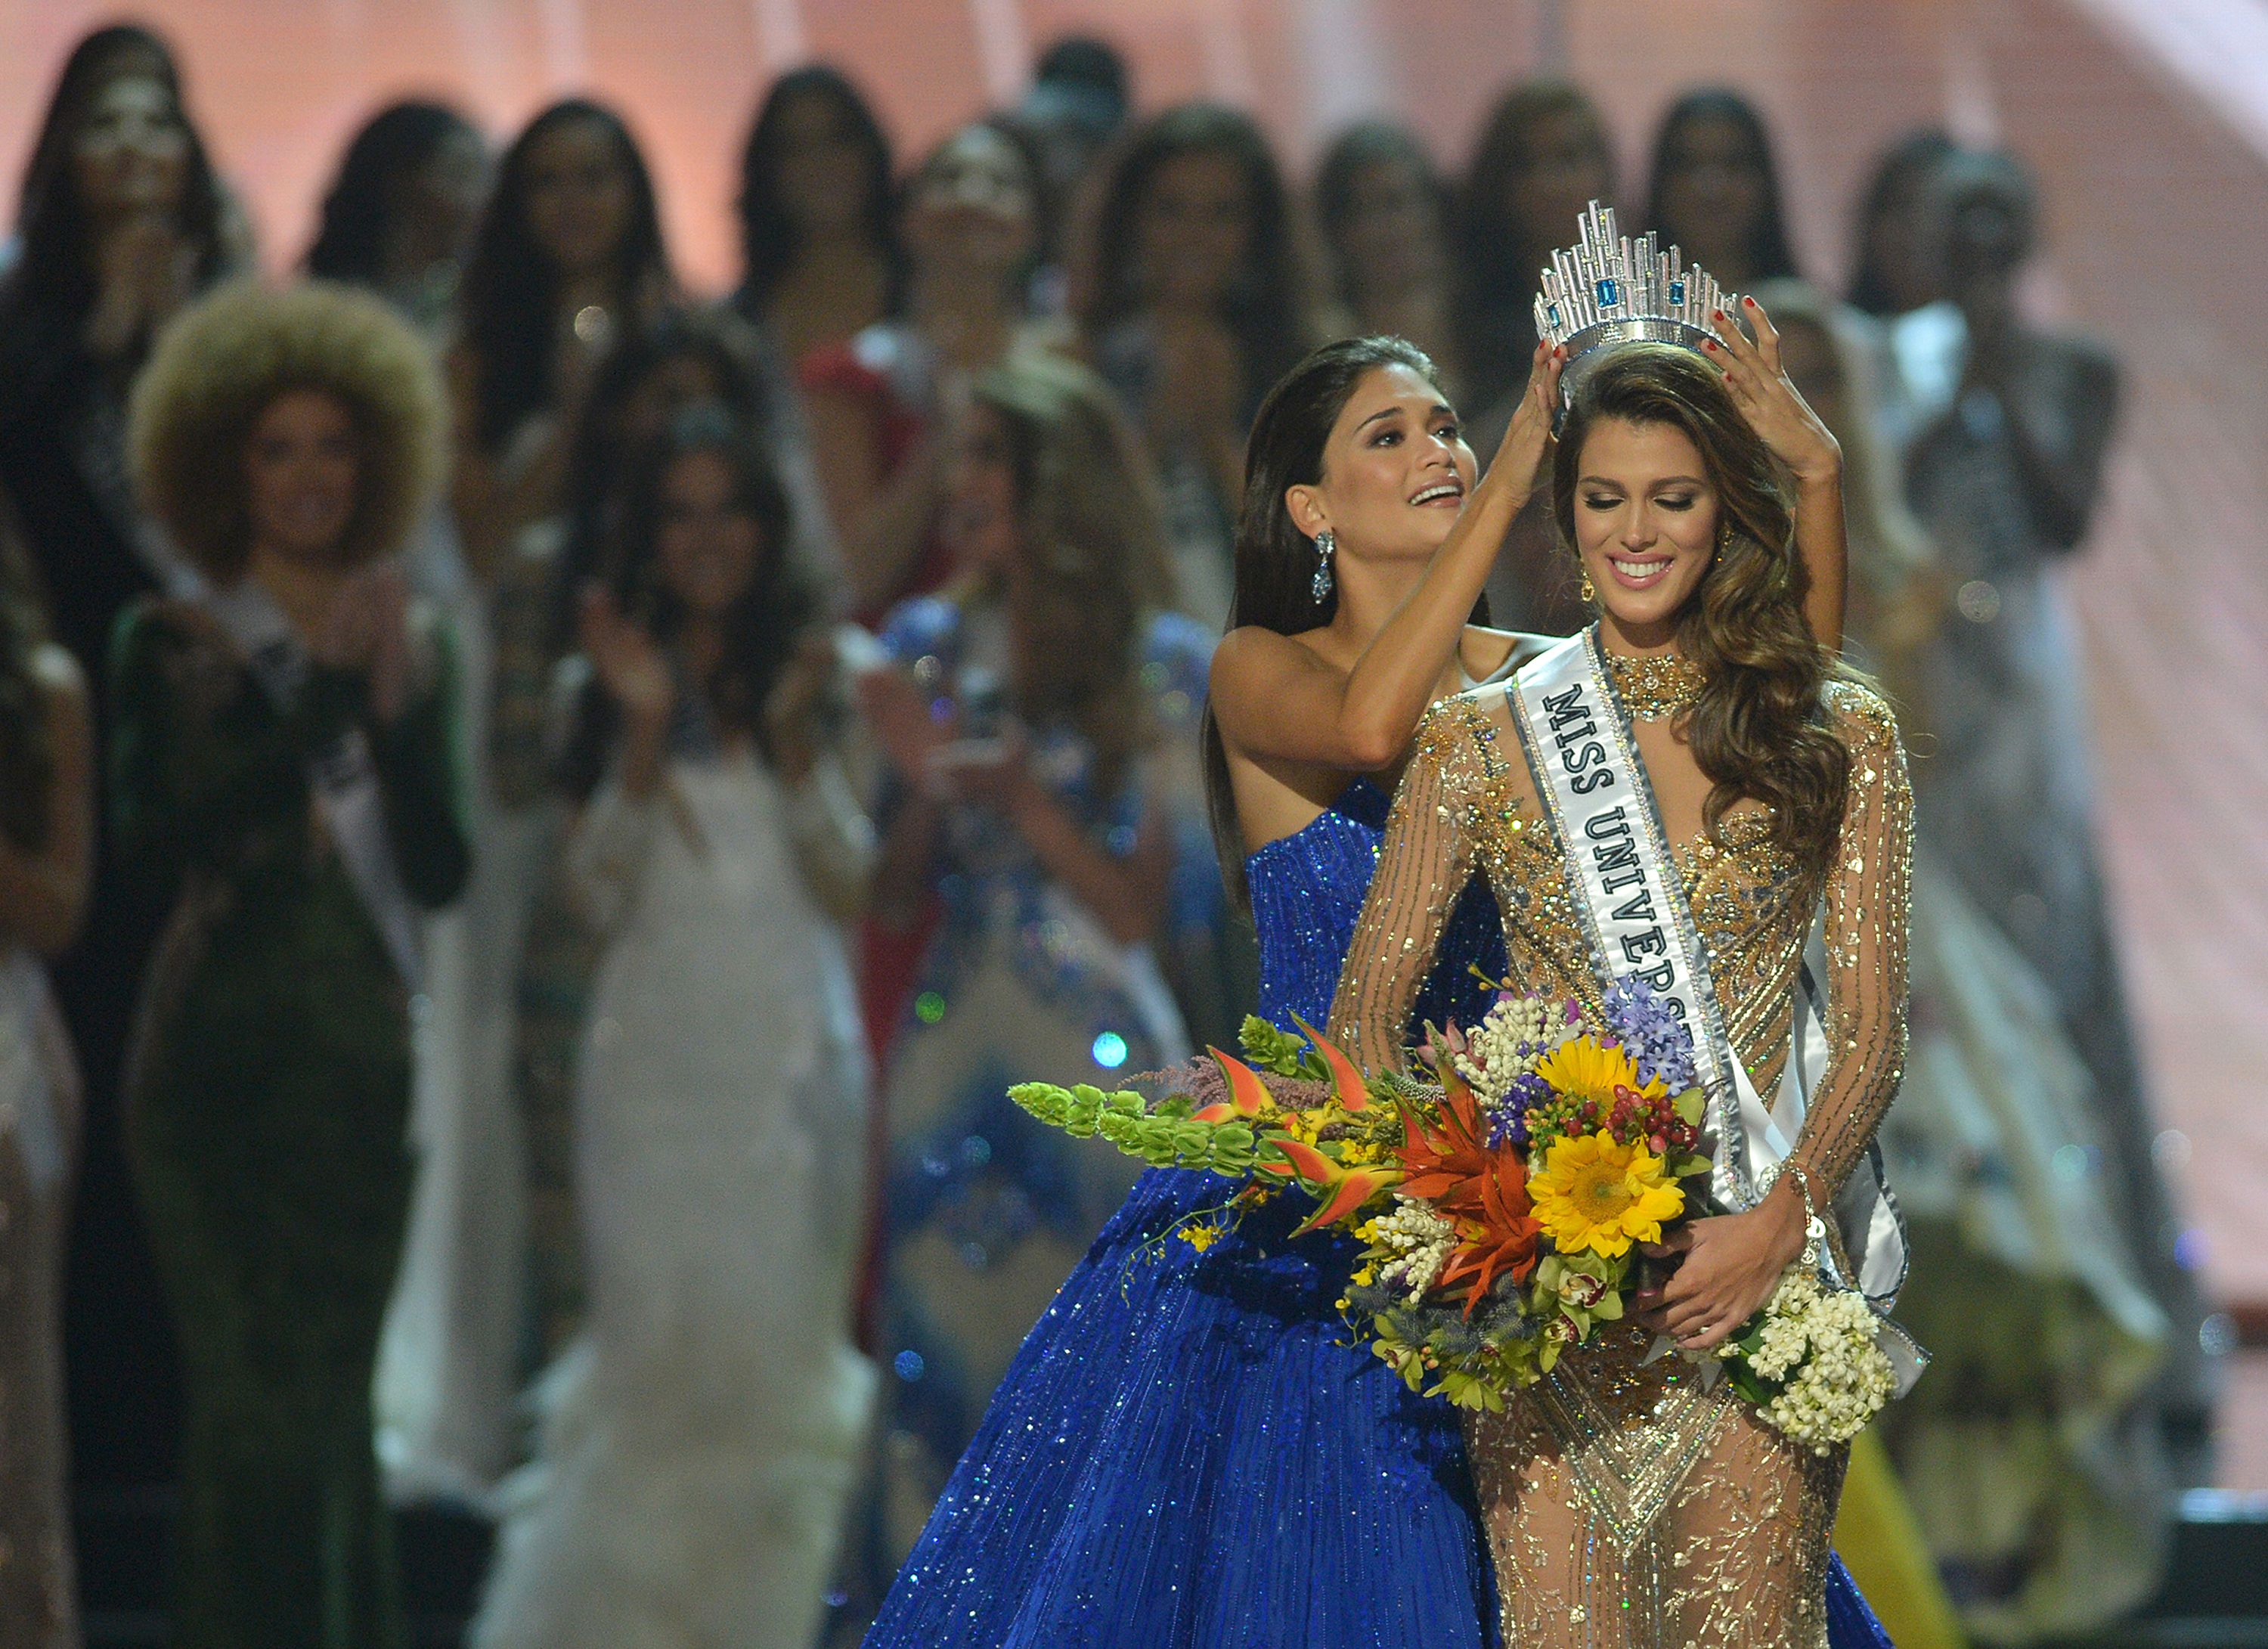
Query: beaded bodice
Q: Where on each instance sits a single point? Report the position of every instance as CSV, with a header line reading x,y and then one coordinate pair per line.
x,y
1469,802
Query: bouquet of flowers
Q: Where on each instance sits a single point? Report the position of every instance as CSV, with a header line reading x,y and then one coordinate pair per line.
x,y
1499,1208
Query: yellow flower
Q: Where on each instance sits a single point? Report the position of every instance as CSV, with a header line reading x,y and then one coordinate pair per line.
x,y
1199,1237
1598,1195
1581,1069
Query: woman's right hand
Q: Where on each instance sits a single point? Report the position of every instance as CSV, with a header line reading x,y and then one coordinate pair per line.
x,y
1528,439
630,667
903,721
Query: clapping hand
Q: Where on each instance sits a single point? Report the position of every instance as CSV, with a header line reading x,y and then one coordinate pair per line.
x,y
792,712
367,631
1768,398
903,722
630,667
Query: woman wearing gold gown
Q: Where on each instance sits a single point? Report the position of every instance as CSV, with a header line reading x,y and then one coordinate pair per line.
x,y
1627,1506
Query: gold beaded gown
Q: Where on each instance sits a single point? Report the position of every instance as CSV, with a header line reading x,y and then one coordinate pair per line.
x,y
1626,1507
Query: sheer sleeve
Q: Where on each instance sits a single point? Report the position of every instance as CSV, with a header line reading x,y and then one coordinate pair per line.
x,y
1866,902
1423,865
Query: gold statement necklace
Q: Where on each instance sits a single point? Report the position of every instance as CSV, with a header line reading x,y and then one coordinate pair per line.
x,y
1657,687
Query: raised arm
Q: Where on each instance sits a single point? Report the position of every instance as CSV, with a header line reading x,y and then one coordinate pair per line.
x,y
1768,398
1422,867
1866,900
1276,698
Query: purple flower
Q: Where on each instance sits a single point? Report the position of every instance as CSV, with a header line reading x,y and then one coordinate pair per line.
x,y
1510,1127
1651,1033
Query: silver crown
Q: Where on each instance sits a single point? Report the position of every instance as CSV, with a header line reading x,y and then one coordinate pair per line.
x,y
1609,288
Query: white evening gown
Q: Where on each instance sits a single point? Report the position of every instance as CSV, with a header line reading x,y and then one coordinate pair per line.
x,y
699,1439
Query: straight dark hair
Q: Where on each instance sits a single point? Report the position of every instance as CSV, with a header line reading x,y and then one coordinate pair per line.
x,y
1906,165
766,623
1267,304
1374,143
510,285
357,212
600,450
1275,560
1501,252
1769,250
769,238
55,270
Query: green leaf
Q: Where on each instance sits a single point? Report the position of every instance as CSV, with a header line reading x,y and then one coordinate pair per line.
x,y
1268,1049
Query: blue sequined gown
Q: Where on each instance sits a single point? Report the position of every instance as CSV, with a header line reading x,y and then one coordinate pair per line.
x,y
1187,1452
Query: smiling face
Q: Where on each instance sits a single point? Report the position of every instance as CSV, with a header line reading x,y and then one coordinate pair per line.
x,y
302,466
131,154
1395,471
709,546
972,210
1646,524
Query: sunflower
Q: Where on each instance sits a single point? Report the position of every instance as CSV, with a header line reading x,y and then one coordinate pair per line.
x,y
1598,1195
1581,1068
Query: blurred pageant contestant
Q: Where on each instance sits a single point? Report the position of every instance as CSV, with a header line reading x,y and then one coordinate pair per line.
x,y
1245,1474
2004,428
1034,796
1626,1502
701,1435
284,769
1197,300
47,850
882,403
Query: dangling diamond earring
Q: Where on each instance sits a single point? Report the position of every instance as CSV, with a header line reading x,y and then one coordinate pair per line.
x,y
1324,545
1590,590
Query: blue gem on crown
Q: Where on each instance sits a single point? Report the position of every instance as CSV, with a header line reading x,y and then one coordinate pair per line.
x,y
1608,288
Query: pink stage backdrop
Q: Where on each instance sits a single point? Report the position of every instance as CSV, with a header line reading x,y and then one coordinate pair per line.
x,y
2143,116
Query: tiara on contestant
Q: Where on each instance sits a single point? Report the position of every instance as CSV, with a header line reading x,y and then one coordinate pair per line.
x,y
1609,288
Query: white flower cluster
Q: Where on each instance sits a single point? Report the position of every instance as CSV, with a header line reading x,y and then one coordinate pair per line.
x,y
1508,1042
1821,1342
1421,1240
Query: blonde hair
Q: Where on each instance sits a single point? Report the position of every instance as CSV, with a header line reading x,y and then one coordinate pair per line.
x,y
228,358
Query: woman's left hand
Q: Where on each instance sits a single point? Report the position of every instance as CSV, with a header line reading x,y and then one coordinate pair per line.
x,y
1768,398
798,704
1728,1266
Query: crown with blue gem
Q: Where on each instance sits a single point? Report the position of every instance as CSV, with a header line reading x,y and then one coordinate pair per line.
x,y
1608,288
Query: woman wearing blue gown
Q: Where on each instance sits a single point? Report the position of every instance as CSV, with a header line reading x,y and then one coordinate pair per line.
x,y
1187,1450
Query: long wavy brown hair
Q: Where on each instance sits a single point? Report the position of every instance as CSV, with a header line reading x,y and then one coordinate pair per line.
x,y
1762,728
1093,565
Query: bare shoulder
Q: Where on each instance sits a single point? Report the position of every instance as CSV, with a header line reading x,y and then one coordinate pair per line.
x,y
1252,656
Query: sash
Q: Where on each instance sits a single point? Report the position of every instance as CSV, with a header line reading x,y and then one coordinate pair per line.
x,y
1635,914
342,777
